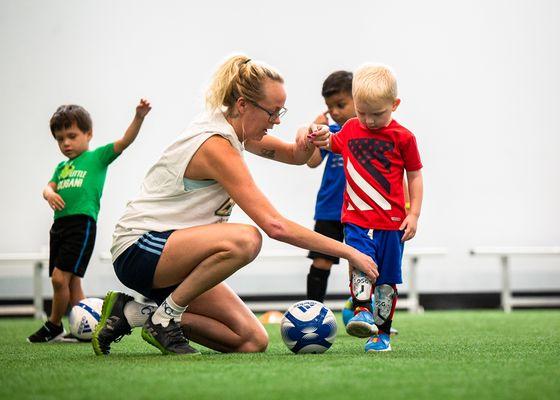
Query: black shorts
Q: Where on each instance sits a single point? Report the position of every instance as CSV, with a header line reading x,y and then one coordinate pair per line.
x,y
136,266
71,243
332,229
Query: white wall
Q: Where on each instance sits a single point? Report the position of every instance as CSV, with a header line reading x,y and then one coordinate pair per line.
x,y
479,82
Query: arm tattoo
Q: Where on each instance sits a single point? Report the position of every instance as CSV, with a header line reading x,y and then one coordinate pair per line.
x,y
268,153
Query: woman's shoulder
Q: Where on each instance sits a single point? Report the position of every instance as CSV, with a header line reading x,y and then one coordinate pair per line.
x,y
211,123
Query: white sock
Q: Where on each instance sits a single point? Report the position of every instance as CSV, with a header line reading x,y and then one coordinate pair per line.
x,y
137,313
167,311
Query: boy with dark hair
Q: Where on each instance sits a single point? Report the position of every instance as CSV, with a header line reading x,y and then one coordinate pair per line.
x,y
74,193
337,92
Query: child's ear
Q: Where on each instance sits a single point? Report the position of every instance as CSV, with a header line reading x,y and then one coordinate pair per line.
x,y
89,134
396,104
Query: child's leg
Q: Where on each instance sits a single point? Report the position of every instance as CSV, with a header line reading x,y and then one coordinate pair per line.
x,y
61,294
383,310
361,289
318,278
390,251
361,324
71,245
76,291
389,255
320,270
52,330
384,307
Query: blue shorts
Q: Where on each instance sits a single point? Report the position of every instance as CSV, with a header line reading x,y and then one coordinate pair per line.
x,y
136,266
385,247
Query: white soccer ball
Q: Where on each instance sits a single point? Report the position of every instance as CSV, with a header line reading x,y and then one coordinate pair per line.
x,y
84,317
308,327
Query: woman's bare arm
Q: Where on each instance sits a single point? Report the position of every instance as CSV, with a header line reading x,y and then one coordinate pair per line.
x,y
217,159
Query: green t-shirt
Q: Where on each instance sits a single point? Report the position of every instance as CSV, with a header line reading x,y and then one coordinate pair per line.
x,y
80,181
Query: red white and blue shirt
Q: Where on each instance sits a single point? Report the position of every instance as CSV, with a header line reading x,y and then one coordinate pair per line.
x,y
374,164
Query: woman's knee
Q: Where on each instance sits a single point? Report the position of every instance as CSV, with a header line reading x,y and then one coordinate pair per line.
x,y
247,242
255,341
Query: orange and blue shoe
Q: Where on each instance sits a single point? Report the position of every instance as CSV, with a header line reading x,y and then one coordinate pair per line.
x,y
380,342
361,324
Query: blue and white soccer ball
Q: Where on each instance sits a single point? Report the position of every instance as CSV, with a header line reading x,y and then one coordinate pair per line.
x,y
308,327
84,317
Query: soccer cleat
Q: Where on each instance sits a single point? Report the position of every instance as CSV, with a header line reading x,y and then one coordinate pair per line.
x,y
48,333
361,324
379,342
113,324
394,332
169,339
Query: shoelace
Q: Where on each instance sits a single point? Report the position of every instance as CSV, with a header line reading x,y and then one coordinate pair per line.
x,y
118,339
176,335
112,324
358,310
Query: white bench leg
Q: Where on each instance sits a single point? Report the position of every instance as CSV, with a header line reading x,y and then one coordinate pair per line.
x,y
38,290
414,302
506,284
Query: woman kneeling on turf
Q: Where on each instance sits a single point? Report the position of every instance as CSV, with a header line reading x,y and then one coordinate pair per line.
x,y
171,244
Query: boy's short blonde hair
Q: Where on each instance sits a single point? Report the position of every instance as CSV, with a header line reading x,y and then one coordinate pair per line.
x,y
373,82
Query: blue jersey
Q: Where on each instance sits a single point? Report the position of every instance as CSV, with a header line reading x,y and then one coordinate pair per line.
x,y
329,198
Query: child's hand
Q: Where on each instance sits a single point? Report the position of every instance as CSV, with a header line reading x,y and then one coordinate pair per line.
x,y
319,135
409,226
143,108
55,201
322,119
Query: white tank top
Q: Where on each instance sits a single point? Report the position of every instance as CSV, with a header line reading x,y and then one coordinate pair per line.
x,y
167,200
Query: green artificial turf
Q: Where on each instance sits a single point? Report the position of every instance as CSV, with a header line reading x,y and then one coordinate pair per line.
x,y
437,355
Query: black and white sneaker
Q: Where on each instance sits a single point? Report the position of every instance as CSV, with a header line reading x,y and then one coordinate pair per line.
x,y
69,338
48,333
113,324
169,339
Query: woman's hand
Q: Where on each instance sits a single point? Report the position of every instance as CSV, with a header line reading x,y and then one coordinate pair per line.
x,y
365,264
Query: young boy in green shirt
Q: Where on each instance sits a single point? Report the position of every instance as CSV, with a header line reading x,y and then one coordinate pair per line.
x,y
74,193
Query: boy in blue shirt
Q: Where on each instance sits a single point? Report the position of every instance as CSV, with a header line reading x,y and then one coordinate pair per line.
x,y
337,92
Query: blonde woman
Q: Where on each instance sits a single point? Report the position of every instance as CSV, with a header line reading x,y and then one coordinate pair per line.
x,y
172,244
